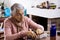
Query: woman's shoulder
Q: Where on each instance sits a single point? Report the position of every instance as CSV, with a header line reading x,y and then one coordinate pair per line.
x,y
26,18
7,22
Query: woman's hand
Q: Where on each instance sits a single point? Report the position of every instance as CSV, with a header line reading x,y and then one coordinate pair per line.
x,y
32,34
39,31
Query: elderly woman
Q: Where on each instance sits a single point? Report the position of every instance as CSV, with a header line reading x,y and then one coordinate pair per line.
x,y
17,26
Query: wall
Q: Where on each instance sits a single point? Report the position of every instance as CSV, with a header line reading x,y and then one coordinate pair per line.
x,y
29,3
7,3
45,13
1,1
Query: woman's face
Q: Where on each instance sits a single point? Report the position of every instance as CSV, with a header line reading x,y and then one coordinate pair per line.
x,y
19,15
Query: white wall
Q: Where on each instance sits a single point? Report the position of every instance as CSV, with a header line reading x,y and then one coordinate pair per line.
x,y
1,1
7,3
59,3
29,3
45,13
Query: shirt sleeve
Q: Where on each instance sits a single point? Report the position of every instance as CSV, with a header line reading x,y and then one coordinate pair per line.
x,y
34,25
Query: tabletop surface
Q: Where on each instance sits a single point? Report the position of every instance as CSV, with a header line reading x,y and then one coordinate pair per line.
x,y
48,38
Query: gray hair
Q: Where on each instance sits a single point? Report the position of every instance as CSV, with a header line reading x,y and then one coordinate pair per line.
x,y
15,7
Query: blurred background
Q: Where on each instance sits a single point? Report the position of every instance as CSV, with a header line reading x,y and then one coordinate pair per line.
x,y
44,12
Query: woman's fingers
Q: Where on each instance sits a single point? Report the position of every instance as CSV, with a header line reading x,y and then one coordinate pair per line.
x,y
39,31
31,34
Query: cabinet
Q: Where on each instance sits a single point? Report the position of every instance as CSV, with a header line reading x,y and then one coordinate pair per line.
x,y
46,22
1,30
1,35
41,21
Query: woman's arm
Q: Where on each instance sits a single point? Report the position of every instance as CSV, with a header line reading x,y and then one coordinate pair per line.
x,y
35,25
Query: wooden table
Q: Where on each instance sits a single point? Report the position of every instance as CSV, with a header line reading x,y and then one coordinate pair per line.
x,y
58,38
1,35
48,38
2,20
